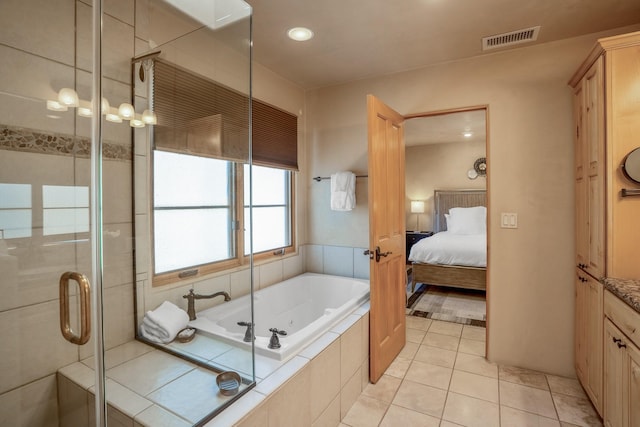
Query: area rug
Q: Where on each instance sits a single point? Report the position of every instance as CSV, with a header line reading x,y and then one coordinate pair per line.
x,y
448,304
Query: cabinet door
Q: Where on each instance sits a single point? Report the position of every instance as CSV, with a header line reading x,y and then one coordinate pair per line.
x,y
594,321
614,358
632,387
582,230
581,327
594,135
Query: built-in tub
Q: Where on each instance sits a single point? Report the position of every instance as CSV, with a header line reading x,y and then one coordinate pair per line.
x,y
304,306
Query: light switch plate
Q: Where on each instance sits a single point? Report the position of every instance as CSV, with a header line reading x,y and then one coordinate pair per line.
x,y
508,220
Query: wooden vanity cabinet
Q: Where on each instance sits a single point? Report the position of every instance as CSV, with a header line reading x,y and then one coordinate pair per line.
x,y
621,364
588,340
606,125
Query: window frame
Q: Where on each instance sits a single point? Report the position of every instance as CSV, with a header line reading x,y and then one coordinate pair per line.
x,y
237,232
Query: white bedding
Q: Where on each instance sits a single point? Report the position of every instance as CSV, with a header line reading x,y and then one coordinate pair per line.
x,y
451,249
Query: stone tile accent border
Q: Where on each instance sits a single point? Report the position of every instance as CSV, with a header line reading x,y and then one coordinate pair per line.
x,y
33,141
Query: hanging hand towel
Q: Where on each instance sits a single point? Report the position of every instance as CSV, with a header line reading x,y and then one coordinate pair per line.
x,y
163,324
343,191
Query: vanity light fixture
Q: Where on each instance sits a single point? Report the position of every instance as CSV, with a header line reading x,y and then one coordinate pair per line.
x,y
300,34
68,97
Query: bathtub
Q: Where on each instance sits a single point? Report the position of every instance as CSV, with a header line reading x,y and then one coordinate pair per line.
x,y
304,306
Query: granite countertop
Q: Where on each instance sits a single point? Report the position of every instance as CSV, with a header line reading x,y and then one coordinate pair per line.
x,y
628,290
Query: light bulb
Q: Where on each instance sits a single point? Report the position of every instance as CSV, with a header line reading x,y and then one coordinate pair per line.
x,y
136,123
84,109
126,111
112,116
300,34
68,97
105,106
55,106
149,117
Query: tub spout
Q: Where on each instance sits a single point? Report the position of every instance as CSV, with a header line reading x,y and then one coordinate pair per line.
x,y
192,297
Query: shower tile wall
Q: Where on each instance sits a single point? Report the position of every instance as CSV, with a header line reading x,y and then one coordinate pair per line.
x,y
44,47
337,260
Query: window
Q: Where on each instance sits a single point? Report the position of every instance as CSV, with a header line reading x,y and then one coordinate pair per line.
x,y
271,208
199,204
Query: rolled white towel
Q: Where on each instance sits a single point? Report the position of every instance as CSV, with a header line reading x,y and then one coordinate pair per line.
x,y
163,324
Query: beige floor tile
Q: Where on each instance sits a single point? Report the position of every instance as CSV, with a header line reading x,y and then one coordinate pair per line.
x,y
528,399
516,417
524,377
385,389
446,328
436,356
366,412
445,423
563,424
565,385
471,412
576,410
475,385
409,350
398,415
476,365
447,342
474,333
425,373
421,398
415,322
472,347
415,335
398,367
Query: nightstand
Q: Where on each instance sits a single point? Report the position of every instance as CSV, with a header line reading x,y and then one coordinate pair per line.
x,y
413,237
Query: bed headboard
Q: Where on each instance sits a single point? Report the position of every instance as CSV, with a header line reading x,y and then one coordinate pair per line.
x,y
443,200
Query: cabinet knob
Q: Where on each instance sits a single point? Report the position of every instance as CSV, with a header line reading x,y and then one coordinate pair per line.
x,y
619,342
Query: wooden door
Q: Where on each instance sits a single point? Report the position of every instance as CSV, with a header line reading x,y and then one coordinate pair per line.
x,y
581,327
386,235
582,228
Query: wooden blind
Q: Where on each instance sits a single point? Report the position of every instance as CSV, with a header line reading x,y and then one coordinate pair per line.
x,y
274,137
201,117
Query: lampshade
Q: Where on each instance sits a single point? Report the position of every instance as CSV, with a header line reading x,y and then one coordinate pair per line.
x,y
417,206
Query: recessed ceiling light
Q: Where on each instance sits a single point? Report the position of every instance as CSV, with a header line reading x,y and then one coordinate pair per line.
x,y
300,34
467,134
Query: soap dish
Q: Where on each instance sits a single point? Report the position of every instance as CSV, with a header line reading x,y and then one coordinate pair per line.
x,y
186,335
228,383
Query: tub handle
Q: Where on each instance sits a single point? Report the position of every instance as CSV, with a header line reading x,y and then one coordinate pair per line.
x,y
248,335
274,342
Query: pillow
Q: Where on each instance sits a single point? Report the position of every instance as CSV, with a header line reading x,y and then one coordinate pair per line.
x,y
467,220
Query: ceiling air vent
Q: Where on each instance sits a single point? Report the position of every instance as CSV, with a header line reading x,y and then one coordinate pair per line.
x,y
511,38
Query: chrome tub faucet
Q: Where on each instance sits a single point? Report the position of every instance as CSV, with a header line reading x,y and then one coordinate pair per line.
x,y
192,297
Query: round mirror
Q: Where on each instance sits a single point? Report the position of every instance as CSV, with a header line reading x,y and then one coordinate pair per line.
x,y
631,165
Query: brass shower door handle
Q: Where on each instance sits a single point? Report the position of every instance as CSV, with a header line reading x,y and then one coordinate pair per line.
x,y
85,308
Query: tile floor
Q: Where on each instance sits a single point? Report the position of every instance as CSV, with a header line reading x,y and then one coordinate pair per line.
x,y
441,378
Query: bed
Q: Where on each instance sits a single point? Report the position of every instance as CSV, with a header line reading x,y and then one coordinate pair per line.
x,y
466,269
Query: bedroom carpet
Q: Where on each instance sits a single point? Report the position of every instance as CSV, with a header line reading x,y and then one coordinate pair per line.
x,y
448,304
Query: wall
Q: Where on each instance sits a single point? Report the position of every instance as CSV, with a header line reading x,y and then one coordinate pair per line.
x,y
438,166
530,157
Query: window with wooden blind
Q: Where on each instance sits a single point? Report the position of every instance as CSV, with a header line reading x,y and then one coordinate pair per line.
x,y
201,176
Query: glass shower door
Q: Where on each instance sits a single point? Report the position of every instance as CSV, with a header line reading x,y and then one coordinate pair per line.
x,y
50,222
